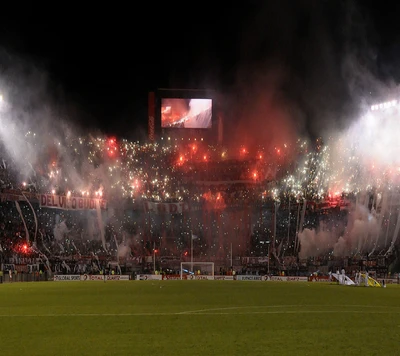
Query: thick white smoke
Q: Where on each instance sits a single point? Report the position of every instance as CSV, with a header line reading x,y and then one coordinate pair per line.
x,y
197,106
60,231
123,250
367,153
128,241
199,113
316,242
362,160
361,233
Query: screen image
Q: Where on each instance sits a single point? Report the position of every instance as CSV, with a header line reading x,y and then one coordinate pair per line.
x,y
186,113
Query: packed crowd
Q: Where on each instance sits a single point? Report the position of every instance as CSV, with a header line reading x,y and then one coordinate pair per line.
x,y
231,208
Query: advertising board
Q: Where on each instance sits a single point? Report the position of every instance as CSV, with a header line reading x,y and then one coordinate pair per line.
x,y
286,279
66,277
249,278
224,278
89,277
200,277
145,277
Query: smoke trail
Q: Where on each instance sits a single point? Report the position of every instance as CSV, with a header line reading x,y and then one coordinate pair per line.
x,y
101,225
42,255
288,230
62,249
388,219
34,216
76,249
23,220
47,264
301,224
296,241
65,265
383,207
116,245
395,235
44,244
96,263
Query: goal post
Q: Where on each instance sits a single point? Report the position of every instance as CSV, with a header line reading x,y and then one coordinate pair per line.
x,y
192,268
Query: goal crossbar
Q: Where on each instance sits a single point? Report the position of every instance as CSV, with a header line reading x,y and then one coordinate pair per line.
x,y
190,266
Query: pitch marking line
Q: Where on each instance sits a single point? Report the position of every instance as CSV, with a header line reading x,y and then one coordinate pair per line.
x,y
283,306
235,308
205,313
225,311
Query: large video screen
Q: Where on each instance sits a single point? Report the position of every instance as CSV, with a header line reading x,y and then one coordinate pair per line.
x,y
186,113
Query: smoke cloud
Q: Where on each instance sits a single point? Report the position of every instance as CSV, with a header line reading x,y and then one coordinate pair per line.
x,y
304,75
316,242
301,73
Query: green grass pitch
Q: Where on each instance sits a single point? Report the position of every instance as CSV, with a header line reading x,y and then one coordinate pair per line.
x,y
198,318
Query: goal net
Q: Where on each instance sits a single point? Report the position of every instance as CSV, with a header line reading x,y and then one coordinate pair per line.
x,y
196,268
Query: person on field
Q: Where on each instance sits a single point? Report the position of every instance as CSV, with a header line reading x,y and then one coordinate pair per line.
x,y
343,276
338,276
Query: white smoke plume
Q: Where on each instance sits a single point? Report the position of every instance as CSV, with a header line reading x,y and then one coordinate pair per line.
x,y
38,131
360,235
124,250
316,242
60,231
366,154
199,113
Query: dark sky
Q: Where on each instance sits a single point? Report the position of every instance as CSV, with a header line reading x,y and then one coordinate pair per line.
x,y
106,58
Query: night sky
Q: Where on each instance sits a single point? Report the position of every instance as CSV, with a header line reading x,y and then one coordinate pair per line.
x,y
104,59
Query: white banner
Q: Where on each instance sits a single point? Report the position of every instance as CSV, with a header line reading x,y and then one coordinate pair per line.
x,y
250,278
67,277
70,203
